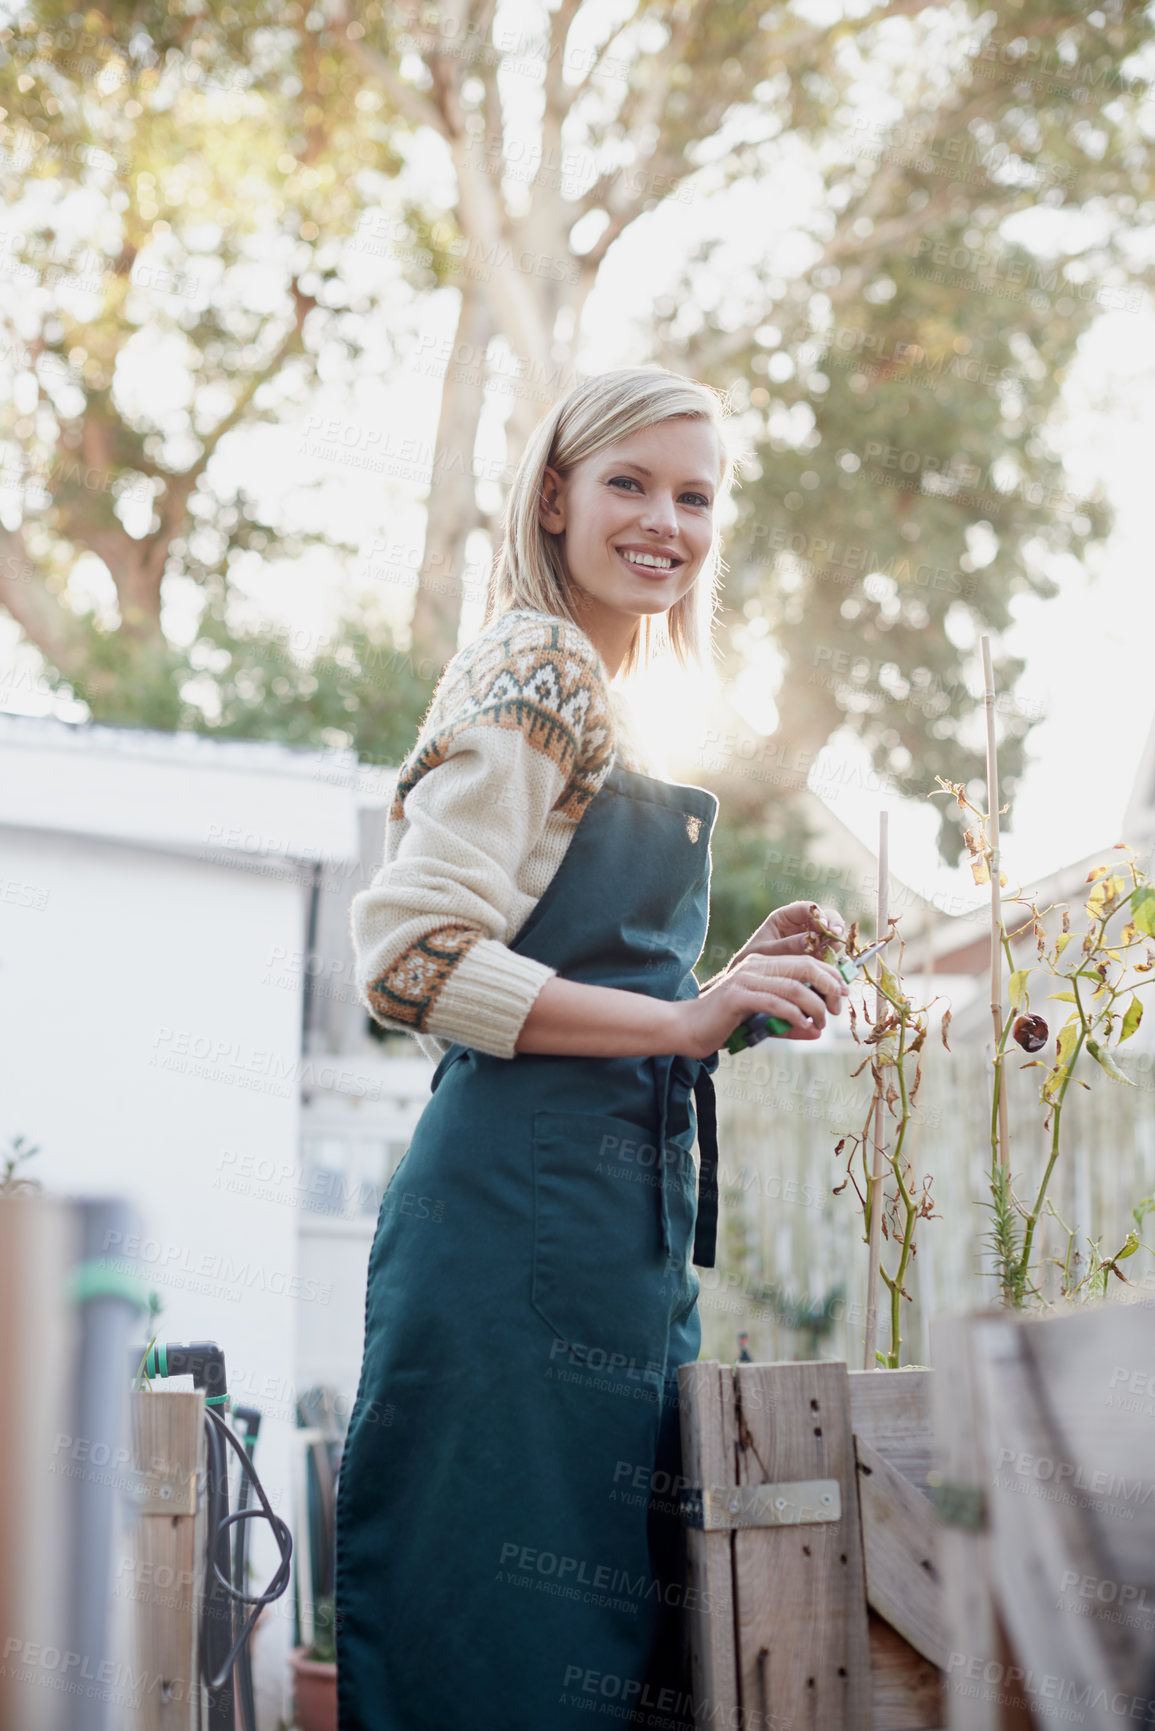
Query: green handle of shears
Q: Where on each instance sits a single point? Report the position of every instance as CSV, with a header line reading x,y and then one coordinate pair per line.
x,y
754,1030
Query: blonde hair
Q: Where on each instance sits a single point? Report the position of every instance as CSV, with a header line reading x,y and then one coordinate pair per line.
x,y
530,568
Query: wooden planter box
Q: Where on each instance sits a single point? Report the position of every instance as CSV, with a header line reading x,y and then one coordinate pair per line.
x,y
830,1617
1047,1446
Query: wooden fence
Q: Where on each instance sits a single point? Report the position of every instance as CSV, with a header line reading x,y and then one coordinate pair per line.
x,y
780,1115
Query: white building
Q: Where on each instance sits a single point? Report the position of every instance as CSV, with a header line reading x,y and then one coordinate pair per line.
x,y
169,1039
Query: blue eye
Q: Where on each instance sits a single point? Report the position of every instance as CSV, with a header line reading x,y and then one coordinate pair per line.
x,y
698,499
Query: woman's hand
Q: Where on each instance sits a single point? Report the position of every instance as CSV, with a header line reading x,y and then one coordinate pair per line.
x,y
797,987
798,929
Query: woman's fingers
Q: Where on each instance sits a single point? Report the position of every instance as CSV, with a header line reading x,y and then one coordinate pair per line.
x,y
770,972
789,988
795,945
798,996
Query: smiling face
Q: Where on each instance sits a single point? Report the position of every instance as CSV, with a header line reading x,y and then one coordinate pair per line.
x,y
637,520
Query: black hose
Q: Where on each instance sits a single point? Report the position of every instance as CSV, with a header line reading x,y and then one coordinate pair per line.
x,y
217,1611
220,1578
251,1419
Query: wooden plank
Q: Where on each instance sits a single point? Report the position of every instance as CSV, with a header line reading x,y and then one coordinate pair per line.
x,y
900,1549
968,1606
1098,1369
894,1411
706,1399
906,1689
1035,1539
168,1551
40,1457
803,1651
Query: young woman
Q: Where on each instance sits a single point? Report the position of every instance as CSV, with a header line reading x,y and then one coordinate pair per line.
x,y
501,1562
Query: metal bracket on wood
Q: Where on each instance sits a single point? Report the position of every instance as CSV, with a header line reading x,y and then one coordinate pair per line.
x,y
799,1503
957,1503
159,1493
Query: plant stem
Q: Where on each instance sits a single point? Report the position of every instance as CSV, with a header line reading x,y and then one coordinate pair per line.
x,y
998,932
908,1205
1056,1119
874,1186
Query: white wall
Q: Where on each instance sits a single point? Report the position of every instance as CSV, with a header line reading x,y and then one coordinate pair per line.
x,y
146,1055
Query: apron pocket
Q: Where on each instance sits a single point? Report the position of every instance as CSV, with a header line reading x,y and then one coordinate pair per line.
x,y
601,1278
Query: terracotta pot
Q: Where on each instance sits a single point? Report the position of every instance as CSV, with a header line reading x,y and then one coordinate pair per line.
x,y
315,1690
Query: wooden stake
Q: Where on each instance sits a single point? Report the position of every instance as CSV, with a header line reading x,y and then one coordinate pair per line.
x,y
996,897
870,1345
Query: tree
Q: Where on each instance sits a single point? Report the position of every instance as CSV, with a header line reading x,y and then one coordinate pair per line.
x,y
906,488
910,366
194,177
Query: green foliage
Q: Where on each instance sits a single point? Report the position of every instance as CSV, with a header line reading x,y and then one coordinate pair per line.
x,y
324,1648
10,1184
898,391
218,161
1099,976
358,691
811,1319
756,866
1005,1239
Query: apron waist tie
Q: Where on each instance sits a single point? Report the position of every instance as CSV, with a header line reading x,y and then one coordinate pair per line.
x,y
706,1230
663,1115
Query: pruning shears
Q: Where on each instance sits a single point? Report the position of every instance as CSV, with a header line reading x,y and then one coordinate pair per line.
x,y
762,1026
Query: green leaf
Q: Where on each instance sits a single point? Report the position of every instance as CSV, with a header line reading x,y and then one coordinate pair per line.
x,y
1130,1246
1132,1019
1065,997
1068,1034
1018,989
1143,910
1062,941
1104,1059
889,984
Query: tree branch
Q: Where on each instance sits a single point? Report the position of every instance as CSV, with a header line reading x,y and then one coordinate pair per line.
x,y
792,46
44,620
412,104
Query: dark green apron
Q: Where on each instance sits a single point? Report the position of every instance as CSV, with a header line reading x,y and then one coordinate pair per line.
x,y
509,1552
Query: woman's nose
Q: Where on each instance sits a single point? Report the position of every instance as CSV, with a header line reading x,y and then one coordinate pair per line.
x,y
660,515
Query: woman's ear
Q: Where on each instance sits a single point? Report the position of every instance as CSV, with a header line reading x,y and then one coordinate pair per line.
x,y
551,508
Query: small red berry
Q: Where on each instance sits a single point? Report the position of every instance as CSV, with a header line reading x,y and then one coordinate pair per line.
x,y
1030,1032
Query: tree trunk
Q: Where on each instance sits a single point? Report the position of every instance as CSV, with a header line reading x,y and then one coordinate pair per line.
x,y
452,506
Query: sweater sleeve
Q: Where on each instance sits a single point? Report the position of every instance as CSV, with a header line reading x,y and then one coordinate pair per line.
x,y
517,731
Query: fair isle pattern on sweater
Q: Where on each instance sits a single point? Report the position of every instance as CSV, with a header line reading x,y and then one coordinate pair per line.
x,y
539,675
407,991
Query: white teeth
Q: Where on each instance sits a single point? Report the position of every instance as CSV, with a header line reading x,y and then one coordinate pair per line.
x,y
657,562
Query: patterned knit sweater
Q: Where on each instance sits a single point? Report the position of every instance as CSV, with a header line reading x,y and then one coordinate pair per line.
x,y
520,735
